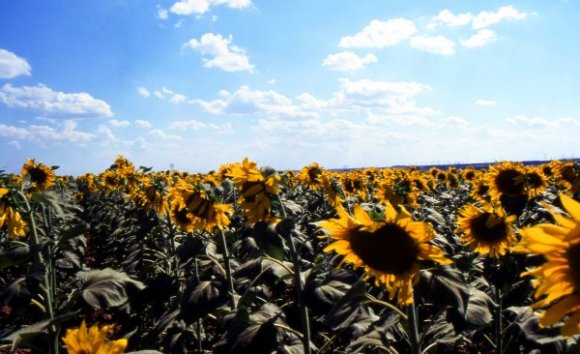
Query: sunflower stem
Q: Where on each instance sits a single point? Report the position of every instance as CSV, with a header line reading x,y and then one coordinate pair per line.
x,y
46,278
413,329
199,320
298,286
228,270
498,321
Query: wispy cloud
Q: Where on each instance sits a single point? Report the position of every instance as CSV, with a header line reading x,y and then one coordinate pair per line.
x,y
379,34
434,44
348,61
199,7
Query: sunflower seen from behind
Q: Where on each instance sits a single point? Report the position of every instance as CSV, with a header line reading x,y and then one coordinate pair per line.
x,y
487,230
390,250
557,281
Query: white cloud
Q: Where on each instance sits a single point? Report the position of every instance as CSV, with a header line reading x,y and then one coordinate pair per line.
x,y
197,125
43,99
541,122
199,7
143,91
434,45
479,39
359,98
9,131
177,98
486,19
140,123
11,65
348,61
482,102
455,121
119,123
162,13
379,34
449,19
222,53
173,96
15,144
107,133
160,134
66,132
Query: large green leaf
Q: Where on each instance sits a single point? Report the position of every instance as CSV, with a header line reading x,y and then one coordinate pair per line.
x,y
106,287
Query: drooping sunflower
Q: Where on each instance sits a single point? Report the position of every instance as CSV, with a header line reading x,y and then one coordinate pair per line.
x,y
389,250
536,181
487,229
557,281
92,341
41,175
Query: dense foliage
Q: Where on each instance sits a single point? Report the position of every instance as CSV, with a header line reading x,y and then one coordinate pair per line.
x,y
252,260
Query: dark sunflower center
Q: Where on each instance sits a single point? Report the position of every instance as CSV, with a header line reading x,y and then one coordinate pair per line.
x,y
389,249
469,175
509,182
568,173
349,185
251,189
573,256
534,180
313,174
547,170
181,216
489,228
37,175
441,177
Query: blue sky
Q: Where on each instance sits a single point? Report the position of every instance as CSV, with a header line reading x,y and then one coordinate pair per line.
x,y
197,83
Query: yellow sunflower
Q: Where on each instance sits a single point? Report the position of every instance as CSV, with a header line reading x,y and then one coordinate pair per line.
x,y
557,281
506,178
92,341
388,250
41,175
487,230
536,181
311,176
16,226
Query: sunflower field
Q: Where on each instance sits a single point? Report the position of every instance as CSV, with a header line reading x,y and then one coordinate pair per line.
x,y
247,259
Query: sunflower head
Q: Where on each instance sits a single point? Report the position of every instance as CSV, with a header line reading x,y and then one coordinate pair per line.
x,y
311,176
557,281
41,176
506,178
92,341
487,229
390,250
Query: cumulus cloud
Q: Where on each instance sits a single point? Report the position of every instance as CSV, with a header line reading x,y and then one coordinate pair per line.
x,y
107,134
379,34
482,102
140,123
479,39
43,99
160,134
11,65
220,52
434,45
65,132
199,7
348,61
119,123
486,19
354,97
481,20
173,96
143,91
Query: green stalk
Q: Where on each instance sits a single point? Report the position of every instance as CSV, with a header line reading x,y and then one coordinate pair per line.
x,y
199,320
228,269
46,278
413,329
299,287
498,321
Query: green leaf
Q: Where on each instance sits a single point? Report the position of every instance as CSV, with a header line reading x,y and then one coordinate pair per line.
x,y
444,286
345,309
106,288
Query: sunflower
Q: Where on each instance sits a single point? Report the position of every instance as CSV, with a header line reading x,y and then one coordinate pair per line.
x,y
469,174
180,216
92,341
310,175
15,225
536,181
487,230
506,179
388,250
256,190
557,281
41,176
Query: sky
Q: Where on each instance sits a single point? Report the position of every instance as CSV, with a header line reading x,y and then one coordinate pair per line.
x,y
196,83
